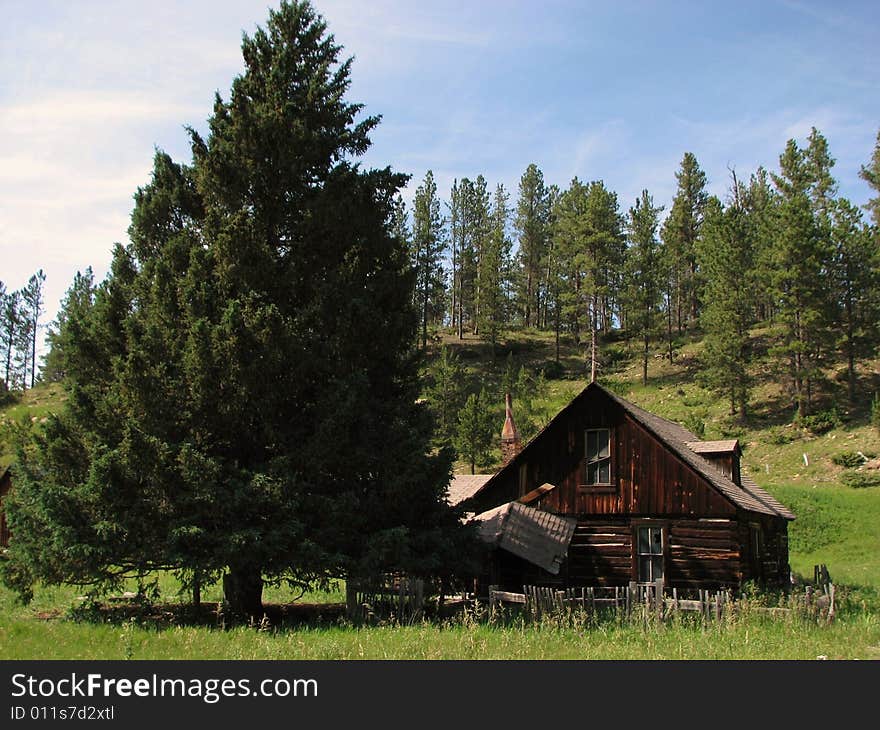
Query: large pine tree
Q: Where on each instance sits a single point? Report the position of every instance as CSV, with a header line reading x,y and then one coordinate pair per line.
x,y
802,260
427,251
870,173
680,233
644,274
244,395
725,254
532,213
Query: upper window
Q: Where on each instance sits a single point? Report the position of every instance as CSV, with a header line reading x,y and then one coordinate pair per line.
x,y
598,456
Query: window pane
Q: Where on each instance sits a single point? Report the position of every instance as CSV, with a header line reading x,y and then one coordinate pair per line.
x,y
643,539
657,565
656,541
605,472
602,443
591,445
592,473
644,569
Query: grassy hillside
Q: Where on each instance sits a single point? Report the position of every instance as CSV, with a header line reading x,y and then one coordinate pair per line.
x,y
837,524
33,405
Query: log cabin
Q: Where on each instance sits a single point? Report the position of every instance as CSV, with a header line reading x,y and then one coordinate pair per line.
x,y
633,497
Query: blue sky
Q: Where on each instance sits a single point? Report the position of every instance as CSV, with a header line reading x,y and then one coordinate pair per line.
x,y
617,91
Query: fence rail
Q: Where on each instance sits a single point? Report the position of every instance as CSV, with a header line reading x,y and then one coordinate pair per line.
x,y
654,600
394,595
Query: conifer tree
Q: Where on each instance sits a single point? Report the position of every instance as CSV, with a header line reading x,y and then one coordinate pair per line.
x,y
725,255
496,251
255,407
532,212
870,173
476,430
644,273
856,278
73,315
760,203
445,394
680,233
801,266
10,318
32,303
589,228
428,246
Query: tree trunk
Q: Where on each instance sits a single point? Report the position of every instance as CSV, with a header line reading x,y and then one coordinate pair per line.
x,y
528,311
34,352
197,589
558,325
243,592
850,353
425,314
594,345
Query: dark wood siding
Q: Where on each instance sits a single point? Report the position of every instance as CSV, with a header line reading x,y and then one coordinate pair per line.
x,y
600,554
704,552
770,565
706,536
648,478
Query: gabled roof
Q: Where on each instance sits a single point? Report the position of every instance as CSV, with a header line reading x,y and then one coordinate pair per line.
x,y
540,537
677,438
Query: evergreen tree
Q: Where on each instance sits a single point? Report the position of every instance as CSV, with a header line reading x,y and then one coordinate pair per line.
x,y
247,417
555,267
532,212
74,313
856,278
478,215
801,266
10,319
428,247
445,394
456,237
644,273
496,251
32,298
469,230
589,228
760,203
871,174
725,255
476,430
680,233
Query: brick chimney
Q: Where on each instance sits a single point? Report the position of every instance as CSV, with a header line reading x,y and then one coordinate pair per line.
x,y
510,443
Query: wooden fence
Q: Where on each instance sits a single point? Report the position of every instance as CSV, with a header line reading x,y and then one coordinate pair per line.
x,y
654,600
393,596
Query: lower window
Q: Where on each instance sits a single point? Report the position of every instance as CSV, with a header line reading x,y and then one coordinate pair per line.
x,y
650,554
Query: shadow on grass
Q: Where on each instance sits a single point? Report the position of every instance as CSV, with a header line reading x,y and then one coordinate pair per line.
x,y
206,615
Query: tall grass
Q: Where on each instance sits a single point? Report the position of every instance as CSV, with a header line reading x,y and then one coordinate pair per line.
x,y
855,636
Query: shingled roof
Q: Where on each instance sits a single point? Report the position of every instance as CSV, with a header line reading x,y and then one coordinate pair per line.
x,y
465,486
680,441
540,537
748,496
